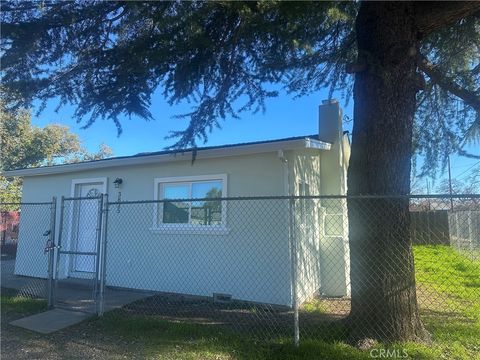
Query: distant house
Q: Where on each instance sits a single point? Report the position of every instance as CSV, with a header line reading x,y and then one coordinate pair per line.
x,y
9,221
228,244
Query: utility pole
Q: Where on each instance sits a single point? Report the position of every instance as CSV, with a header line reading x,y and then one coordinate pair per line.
x,y
450,183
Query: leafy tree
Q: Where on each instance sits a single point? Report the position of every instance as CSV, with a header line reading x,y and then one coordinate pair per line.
x,y
24,145
213,206
474,178
10,192
458,187
461,187
398,60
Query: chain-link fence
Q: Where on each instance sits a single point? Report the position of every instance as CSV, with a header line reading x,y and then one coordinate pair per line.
x,y
27,230
307,267
270,267
464,233
234,270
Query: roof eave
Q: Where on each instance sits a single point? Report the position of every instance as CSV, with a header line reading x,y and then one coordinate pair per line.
x,y
303,143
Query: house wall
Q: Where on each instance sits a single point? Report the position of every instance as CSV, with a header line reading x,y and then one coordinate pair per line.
x,y
335,258
321,227
305,169
251,261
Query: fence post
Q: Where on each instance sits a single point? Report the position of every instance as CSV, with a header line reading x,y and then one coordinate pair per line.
x,y
51,252
97,257
59,245
470,232
103,256
457,235
294,270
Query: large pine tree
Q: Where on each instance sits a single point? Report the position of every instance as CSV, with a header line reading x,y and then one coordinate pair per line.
x,y
413,68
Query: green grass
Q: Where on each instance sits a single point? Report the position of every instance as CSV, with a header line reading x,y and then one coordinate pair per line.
x,y
315,306
18,305
450,279
449,296
452,311
453,276
166,340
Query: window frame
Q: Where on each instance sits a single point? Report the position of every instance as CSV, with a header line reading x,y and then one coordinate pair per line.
x,y
188,228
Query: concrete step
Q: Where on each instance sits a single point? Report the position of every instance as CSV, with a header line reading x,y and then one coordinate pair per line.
x,y
52,320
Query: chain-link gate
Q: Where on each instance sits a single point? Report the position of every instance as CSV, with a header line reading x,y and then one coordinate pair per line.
x,y
78,260
27,238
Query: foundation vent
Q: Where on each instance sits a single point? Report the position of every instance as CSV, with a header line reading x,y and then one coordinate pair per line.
x,y
222,298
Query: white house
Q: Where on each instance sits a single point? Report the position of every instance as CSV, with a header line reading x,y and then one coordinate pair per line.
x,y
244,248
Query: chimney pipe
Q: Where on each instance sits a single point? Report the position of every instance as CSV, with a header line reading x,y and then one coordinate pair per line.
x,y
329,121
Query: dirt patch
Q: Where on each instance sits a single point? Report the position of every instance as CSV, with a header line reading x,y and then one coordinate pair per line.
x,y
84,341
238,315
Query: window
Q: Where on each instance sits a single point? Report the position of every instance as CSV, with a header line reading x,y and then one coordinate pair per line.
x,y
188,214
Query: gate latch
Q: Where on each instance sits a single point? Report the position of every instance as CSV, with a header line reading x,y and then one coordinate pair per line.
x,y
49,245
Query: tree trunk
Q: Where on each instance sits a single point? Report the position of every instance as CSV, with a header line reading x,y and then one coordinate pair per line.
x,y
384,304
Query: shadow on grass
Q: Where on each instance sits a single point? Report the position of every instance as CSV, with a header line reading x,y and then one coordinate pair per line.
x,y
169,339
179,340
13,304
452,327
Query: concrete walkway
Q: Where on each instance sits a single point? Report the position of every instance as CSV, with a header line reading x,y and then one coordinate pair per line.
x,y
78,295
50,321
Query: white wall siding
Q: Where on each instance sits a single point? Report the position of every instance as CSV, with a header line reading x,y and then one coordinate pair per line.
x,y
323,256
251,260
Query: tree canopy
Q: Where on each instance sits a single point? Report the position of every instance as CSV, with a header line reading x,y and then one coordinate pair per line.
x,y
408,60
108,58
24,145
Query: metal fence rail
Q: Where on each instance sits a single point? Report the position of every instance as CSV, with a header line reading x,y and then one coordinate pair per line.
x,y
267,267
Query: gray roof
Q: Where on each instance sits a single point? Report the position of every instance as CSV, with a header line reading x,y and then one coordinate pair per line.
x,y
172,154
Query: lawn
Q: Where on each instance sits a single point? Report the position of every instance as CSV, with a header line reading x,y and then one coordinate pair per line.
x,y
12,304
448,294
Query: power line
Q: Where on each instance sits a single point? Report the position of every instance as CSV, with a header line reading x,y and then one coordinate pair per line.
x,y
463,172
460,166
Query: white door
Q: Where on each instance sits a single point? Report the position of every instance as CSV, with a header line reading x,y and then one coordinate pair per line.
x,y
86,226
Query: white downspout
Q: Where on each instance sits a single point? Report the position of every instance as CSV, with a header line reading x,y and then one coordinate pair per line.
x,y
286,171
292,248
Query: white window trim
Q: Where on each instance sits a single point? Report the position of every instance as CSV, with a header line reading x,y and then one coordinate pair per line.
x,y
189,228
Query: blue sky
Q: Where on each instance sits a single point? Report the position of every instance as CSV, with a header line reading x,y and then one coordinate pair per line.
x,y
284,117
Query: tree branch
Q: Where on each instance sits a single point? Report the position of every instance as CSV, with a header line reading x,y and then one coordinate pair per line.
x,y
433,16
467,154
470,98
